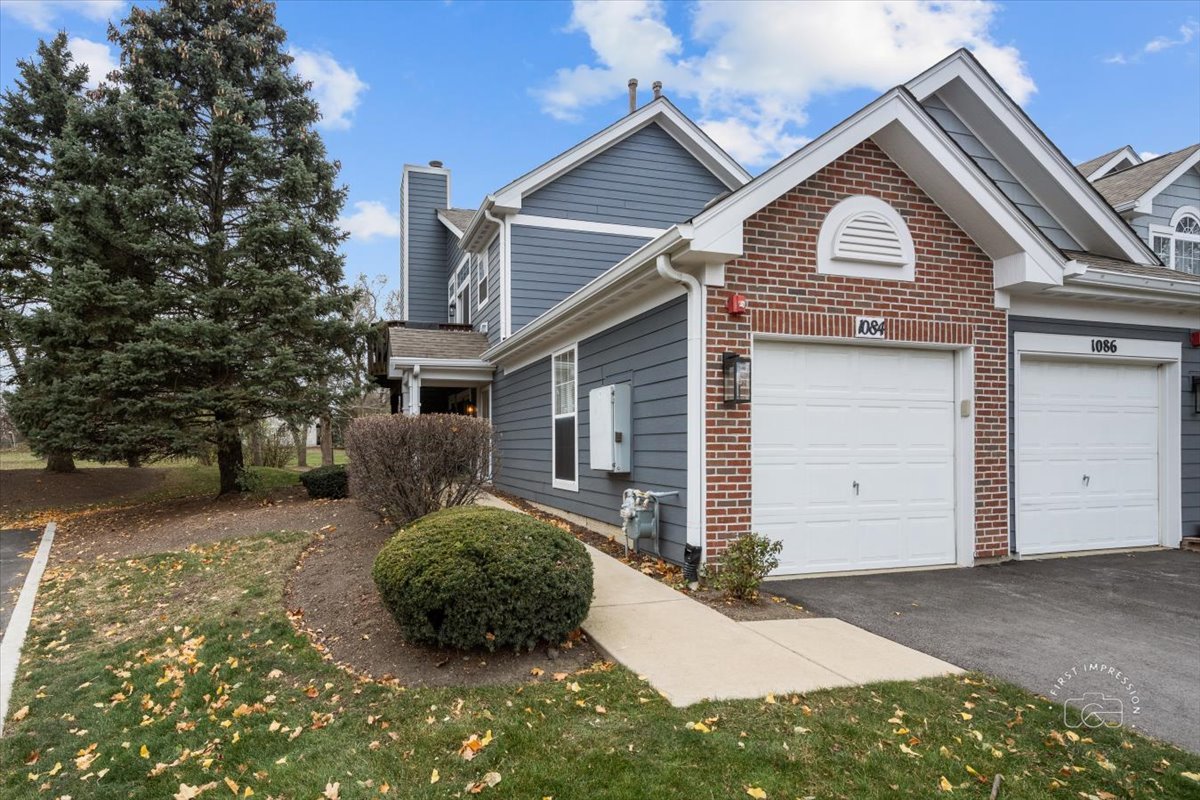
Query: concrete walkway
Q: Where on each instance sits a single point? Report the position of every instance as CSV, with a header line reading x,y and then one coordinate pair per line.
x,y
690,652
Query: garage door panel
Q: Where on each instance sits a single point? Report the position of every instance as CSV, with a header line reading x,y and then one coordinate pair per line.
x,y
1086,418
883,418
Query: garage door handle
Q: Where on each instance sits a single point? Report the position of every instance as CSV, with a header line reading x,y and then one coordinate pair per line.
x,y
1087,479
855,485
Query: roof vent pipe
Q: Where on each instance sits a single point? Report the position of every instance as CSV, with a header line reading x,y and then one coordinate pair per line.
x,y
657,87
632,95
435,164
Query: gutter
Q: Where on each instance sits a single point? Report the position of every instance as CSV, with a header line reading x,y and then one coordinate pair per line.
x,y
696,440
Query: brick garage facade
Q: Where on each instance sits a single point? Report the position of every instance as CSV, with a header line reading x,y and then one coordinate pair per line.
x,y
951,301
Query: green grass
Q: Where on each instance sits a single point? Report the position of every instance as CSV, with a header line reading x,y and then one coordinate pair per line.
x,y
191,655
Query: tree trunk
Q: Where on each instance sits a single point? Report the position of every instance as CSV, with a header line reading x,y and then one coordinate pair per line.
x,y
60,461
300,437
256,432
230,462
133,461
326,441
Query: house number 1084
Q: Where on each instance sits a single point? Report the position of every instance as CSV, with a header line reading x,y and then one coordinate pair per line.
x,y
1104,345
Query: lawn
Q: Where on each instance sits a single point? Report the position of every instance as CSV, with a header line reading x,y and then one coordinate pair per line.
x,y
168,675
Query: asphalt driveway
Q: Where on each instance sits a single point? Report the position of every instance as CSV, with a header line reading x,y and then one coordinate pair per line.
x,y
16,547
1124,626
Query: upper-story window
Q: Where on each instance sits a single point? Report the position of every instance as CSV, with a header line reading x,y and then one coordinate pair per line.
x,y
459,293
484,267
865,237
1178,245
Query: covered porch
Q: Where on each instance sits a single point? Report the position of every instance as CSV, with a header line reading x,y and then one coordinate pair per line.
x,y
432,368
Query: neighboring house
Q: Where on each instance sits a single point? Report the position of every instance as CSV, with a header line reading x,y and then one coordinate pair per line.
x,y
958,350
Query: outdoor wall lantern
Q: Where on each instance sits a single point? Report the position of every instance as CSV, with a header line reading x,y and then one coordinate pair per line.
x,y
736,372
453,309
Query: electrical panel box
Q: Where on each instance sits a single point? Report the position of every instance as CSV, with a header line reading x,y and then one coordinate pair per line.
x,y
610,418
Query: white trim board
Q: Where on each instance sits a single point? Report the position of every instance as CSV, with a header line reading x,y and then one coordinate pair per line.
x,y
1050,307
564,224
555,482
18,623
1072,347
1124,154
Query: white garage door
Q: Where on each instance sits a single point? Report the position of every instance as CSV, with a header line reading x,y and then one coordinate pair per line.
x,y
1087,456
853,455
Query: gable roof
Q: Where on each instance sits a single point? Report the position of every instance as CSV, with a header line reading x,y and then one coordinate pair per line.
x,y
1100,166
1129,187
1037,163
456,219
660,111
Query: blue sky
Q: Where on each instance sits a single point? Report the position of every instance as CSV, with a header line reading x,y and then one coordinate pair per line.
x,y
493,89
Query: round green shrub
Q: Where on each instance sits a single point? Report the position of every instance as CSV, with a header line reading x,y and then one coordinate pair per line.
x,y
328,482
471,577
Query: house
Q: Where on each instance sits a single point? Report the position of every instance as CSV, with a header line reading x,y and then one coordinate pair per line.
x,y
923,339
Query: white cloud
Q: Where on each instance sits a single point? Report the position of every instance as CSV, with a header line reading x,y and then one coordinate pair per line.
x,y
753,67
1187,32
43,14
337,89
96,56
370,220
1147,155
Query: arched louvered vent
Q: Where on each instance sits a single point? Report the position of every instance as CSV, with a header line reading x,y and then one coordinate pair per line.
x,y
869,237
865,237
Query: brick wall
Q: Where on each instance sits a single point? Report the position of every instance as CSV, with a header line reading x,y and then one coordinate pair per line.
x,y
950,301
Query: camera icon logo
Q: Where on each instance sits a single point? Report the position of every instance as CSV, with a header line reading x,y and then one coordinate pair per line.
x,y
1093,710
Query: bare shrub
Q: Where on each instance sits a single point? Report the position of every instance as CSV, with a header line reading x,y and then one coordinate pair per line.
x,y
404,467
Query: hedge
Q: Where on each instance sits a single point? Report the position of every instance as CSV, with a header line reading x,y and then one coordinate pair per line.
x,y
472,577
328,482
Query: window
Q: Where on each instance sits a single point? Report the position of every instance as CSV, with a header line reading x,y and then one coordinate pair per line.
x,y
865,237
484,267
564,442
459,293
1178,245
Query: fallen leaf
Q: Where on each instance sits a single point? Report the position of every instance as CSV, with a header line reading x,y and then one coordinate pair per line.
x,y
187,792
232,784
1191,776
435,777
756,792
332,791
144,752
945,785
20,714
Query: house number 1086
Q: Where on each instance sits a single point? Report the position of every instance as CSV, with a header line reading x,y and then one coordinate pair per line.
x,y
1104,345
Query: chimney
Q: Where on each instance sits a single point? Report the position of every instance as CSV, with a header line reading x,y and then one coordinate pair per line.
x,y
435,164
632,95
657,87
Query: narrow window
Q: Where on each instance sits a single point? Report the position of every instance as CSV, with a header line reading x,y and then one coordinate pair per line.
x,y
564,444
484,268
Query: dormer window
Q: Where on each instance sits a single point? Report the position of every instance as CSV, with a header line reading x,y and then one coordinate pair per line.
x,y
1178,246
864,237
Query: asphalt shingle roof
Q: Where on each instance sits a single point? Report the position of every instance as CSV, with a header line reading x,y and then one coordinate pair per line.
x,y
1088,167
405,342
1129,268
459,217
1127,185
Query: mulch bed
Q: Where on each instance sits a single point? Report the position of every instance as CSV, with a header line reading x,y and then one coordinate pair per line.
x,y
28,490
333,599
768,606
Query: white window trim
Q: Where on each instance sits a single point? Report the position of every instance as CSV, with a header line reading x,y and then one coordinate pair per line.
x,y
1170,234
485,266
837,218
1168,355
570,486
455,288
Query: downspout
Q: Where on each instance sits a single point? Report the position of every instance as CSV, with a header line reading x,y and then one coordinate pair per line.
x,y
505,299
694,551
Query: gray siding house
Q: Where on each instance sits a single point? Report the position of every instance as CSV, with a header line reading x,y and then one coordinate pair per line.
x,y
923,339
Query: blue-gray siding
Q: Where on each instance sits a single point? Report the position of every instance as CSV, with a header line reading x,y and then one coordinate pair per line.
x,y
999,174
549,264
1183,192
649,351
1190,427
491,310
646,179
427,275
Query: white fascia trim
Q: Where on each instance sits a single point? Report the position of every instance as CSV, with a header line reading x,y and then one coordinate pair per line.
x,y
962,65
1124,154
562,224
1170,439
441,215
605,283
720,163
1145,203
894,106
1101,310
1122,286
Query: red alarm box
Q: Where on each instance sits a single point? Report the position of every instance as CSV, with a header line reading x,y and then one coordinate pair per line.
x,y
736,303
1195,337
